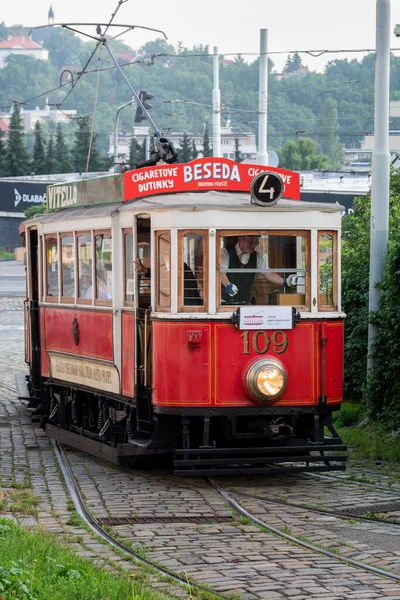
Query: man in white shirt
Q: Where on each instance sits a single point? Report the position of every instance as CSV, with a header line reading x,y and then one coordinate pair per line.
x,y
237,288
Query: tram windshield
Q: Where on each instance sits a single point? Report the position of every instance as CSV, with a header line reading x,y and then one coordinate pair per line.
x,y
268,268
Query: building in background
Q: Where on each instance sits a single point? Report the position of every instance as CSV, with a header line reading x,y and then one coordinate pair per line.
x,y
21,46
29,117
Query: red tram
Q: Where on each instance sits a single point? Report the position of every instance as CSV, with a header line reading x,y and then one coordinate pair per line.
x,y
170,312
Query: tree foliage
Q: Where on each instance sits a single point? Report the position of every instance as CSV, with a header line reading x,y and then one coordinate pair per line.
x,y
207,150
185,149
39,162
302,156
16,156
383,389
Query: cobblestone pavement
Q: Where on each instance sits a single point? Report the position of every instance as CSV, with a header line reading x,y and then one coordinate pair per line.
x,y
232,556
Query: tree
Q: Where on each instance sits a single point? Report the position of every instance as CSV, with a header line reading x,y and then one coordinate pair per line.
x,y
16,157
38,164
327,133
84,147
195,152
293,63
62,163
2,155
207,150
50,157
238,156
301,156
185,151
136,152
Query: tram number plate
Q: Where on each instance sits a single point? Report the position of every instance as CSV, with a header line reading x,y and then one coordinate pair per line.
x,y
260,342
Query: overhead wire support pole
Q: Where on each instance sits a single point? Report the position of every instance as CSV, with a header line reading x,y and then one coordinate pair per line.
x,y
380,167
137,99
262,152
116,133
216,97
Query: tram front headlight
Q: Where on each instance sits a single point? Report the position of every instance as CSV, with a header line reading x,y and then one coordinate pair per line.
x,y
266,379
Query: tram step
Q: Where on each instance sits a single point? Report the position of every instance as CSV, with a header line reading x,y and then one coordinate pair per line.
x,y
252,461
21,384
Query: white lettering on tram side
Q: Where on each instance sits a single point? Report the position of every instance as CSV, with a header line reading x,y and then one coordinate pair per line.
x,y
154,174
215,170
62,196
253,172
164,184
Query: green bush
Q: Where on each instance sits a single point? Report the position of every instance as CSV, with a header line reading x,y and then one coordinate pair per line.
x,y
350,414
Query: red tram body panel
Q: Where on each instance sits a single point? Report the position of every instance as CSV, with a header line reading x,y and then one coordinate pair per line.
x,y
222,353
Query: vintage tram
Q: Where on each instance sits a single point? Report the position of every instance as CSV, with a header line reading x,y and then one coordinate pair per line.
x,y
171,312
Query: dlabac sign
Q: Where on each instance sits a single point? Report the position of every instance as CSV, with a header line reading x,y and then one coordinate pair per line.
x,y
201,175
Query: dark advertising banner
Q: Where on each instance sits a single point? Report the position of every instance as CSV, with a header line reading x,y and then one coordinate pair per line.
x,y
16,196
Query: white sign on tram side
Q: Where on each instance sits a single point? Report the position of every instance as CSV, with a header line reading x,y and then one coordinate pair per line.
x,y
265,317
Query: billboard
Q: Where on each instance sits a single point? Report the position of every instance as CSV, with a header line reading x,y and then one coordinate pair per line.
x,y
16,196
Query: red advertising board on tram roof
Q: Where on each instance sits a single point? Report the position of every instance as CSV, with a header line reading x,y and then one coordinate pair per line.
x,y
201,175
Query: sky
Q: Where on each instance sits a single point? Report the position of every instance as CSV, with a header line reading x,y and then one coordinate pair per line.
x,y
230,26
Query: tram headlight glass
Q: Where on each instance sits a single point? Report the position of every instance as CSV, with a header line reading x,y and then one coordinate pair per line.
x,y
266,379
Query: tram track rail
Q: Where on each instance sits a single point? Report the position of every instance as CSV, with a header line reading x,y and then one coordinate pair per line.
x,y
345,514
96,528
238,508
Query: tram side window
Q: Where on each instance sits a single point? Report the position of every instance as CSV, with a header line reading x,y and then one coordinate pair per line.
x,y
264,268
129,281
103,266
163,271
68,267
326,270
85,284
191,270
52,266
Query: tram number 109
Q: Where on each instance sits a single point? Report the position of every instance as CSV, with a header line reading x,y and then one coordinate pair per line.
x,y
261,341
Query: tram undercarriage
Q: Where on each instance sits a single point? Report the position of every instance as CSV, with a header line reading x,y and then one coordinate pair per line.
x,y
201,442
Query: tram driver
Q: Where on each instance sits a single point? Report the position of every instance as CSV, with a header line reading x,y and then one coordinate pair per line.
x,y
237,288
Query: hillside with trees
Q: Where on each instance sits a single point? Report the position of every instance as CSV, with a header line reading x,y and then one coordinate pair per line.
x,y
317,114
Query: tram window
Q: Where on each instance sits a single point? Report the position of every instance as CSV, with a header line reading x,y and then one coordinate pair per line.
x,y
52,266
85,259
129,281
103,266
264,268
67,267
163,271
326,271
191,270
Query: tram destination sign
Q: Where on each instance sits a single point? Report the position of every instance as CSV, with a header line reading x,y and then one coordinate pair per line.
x,y
203,174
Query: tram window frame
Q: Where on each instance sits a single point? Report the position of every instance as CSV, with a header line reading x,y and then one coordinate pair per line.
x,y
181,306
158,234
306,307
126,232
67,299
52,299
78,234
95,233
334,306
40,253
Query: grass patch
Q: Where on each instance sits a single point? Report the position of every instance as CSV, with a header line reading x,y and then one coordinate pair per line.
x,y
372,441
19,500
50,571
4,253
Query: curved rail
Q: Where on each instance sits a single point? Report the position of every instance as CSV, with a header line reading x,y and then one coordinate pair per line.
x,y
98,530
290,538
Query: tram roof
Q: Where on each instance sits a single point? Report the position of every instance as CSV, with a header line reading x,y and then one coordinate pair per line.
x,y
196,201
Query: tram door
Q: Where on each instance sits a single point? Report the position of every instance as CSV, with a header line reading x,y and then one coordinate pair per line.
x,y
33,328
143,325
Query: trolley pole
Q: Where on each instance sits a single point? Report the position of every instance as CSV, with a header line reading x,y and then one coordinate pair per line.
x,y
216,106
262,153
380,166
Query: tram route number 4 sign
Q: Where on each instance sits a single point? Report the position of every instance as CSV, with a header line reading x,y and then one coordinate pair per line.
x,y
267,188
265,317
